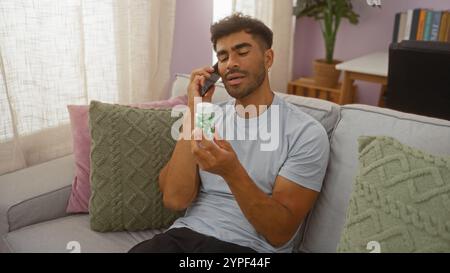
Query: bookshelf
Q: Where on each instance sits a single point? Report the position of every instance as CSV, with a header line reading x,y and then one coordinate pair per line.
x,y
422,25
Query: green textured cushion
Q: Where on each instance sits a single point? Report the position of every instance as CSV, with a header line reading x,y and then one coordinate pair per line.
x,y
129,148
400,200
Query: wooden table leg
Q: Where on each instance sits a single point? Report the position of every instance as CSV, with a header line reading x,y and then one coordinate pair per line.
x,y
346,89
381,100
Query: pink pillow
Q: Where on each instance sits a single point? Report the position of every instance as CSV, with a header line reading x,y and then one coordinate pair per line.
x,y
79,120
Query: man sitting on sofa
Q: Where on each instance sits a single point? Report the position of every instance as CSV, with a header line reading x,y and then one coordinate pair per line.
x,y
239,197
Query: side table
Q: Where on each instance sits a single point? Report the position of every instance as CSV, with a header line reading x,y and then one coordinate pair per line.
x,y
372,68
306,87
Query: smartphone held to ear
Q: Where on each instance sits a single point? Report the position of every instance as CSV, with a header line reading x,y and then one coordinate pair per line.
x,y
211,81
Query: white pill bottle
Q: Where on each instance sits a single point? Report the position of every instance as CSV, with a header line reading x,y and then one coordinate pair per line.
x,y
205,117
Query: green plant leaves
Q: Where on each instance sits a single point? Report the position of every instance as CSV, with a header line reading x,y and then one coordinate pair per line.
x,y
317,8
329,13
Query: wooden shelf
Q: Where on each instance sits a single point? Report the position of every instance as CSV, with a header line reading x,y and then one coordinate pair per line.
x,y
306,87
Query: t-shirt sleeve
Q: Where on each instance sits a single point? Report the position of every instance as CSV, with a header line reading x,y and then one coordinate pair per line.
x,y
307,158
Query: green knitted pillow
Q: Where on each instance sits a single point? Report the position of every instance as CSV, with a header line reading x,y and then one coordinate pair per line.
x,y
400,201
129,148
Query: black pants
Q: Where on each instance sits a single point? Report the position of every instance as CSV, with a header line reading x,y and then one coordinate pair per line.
x,y
184,240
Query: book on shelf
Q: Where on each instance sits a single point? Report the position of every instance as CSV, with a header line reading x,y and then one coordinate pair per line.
x,y
408,22
447,30
414,24
423,14
401,29
436,23
422,24
427,28
443,26
396,26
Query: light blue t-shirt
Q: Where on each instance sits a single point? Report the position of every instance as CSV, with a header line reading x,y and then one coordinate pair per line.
x,y
282,140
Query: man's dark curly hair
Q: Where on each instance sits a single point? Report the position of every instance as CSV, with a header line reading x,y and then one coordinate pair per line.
x,y
238,22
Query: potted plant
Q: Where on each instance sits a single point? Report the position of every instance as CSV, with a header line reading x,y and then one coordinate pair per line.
x,y
329,13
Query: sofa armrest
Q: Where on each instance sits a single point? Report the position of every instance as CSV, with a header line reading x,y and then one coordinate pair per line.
x,y
35,194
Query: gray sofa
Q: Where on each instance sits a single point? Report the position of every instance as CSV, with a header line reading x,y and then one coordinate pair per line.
x,y
33,200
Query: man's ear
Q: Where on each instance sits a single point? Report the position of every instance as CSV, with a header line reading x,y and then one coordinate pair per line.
x,y
268,58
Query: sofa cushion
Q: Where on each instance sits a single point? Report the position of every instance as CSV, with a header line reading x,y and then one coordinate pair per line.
x,y
79,115
327,113
35,194
400,200
324,225
130,146
56,235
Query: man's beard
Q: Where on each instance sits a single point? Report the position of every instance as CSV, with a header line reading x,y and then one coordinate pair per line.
x,y
242,91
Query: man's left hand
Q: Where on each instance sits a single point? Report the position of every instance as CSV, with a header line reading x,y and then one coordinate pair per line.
x,y
215,156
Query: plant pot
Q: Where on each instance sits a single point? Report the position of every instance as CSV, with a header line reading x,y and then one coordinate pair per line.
x,y
326,74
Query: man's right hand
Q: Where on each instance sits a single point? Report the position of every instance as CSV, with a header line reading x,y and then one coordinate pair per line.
x,y
197,80
198,77
179,180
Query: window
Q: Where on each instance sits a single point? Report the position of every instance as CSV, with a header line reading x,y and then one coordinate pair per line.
x,y
49,49
223,8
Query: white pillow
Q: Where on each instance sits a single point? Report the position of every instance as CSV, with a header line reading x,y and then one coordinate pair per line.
x,y
181,83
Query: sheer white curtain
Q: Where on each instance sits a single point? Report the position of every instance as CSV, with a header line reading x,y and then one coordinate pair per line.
x,y
276,14
54,53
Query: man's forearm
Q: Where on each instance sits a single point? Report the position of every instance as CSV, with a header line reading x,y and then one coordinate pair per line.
x,y
269,217
179,179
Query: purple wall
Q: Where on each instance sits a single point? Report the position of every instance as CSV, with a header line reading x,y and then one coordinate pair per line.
x,y
192,47
373,33
191,44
